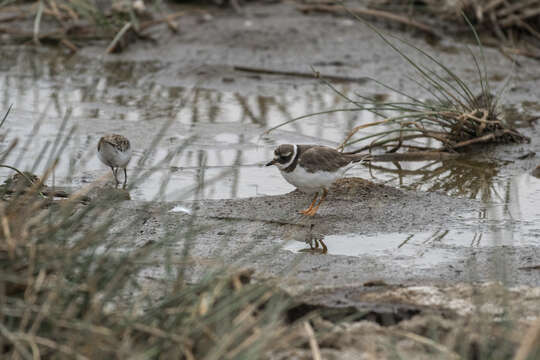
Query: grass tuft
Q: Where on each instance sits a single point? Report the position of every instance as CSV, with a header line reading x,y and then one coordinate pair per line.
x,y
74,23
67,290
454,119
515,24
451,120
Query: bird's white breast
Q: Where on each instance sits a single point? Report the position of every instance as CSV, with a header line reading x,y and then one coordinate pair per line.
x,y
311,182
113,157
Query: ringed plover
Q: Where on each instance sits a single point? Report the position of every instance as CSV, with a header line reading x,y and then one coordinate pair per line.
x,y
313,168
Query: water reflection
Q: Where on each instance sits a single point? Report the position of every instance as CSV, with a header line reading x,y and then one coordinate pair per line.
x,y
225,150
135,100
404,249
462,177
426,248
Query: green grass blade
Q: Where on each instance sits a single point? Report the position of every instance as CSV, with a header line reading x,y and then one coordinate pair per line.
x,y
5,116
394,90
481,50
418,68
307,116
466,90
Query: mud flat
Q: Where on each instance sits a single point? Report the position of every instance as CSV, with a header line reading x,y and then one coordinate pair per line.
x,y
374,233
415,247
391,281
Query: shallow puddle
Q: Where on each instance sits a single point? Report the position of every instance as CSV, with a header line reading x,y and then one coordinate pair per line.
x,y
220,135
510,218
403,248
222,131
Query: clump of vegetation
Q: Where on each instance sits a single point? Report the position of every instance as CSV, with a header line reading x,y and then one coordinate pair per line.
x,y
450,119
452,122
513,27
71,22
504,19
68,290
66,293
515,24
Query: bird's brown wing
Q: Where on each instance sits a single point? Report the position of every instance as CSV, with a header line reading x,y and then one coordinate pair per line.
x,y
118,142
323,158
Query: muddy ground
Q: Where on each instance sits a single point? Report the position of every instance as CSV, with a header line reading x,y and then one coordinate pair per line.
x,y
389,242
275,36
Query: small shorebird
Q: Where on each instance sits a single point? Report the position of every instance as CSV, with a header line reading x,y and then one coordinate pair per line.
x,y
115,151
312,168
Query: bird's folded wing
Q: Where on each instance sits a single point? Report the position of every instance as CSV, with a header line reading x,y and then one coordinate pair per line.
x,y
323,158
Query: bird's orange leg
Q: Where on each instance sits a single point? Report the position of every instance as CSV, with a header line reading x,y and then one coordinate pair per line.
x,y
310,208
314,209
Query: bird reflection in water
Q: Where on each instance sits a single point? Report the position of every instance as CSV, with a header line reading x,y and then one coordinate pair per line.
x,y
314,240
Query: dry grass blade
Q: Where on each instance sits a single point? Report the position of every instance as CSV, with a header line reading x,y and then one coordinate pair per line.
x,y
37,22
69,45
370,12
22,351
530,346
309,75
509,22
315,351
358,128
169,19
428,342
114,43
415,156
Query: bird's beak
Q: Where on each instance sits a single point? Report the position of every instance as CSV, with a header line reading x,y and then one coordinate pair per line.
x,y
270,163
